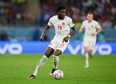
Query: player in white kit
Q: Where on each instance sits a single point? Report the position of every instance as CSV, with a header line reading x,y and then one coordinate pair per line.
x,y
92,28
58,44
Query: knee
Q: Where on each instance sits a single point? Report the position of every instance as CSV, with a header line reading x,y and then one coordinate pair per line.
x,y
90,53
85,50
57,52
48,54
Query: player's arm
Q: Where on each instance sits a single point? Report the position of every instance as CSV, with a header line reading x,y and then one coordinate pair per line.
x,y
82,28
99,29
70,35
97,32
73,31
44,32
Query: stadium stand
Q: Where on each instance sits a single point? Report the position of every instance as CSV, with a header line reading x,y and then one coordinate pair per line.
x,y
20,20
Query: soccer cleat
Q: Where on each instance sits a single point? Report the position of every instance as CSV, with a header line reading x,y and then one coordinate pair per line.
x,y
86,66
31,77
51,72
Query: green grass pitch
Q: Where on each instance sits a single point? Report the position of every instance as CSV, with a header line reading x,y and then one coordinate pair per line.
x,y
14,69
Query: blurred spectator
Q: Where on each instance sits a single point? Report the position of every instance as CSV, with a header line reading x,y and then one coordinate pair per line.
x,y
107,24
15,12
104,10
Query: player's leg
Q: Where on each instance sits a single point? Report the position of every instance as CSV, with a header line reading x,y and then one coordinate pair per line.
x,y
59,50
92,44
86,46
47,54
56,58
56,61
86,56
90,53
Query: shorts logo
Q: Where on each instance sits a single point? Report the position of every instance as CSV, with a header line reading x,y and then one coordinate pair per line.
x,y
61,45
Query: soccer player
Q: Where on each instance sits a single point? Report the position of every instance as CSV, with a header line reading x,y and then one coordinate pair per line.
x,y
58,44
92,28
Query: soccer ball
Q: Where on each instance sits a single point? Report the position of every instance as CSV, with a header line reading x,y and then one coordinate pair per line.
x,y
58,74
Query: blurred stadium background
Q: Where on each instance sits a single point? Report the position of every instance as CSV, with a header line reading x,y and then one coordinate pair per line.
x,y
24,20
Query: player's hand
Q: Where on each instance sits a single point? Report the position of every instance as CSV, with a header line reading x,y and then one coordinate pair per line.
x,y
80,30
65,39
42,38
94,34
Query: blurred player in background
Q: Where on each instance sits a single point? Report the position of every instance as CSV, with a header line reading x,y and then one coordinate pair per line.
x,y
58,44
92,28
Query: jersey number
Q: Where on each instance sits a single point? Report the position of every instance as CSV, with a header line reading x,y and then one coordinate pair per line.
x,y
59,27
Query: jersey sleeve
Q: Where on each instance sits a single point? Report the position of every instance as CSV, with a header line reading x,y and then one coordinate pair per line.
x,y
50,22
98,25
71,24
82,26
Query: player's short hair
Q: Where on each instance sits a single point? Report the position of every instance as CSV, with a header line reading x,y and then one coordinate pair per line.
x,y
60,7
89,12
